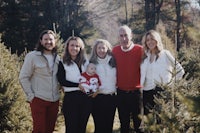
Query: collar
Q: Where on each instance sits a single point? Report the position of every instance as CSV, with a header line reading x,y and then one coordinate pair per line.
x,y
104,60
131,47
39,53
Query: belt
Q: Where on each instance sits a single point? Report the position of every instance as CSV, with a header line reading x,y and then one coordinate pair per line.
x,y
127,91
112,94
76,91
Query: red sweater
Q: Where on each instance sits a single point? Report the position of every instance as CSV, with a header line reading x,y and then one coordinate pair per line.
x,y
128,67
88,77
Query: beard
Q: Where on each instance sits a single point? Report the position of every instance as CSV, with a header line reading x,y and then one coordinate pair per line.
x,y
45,48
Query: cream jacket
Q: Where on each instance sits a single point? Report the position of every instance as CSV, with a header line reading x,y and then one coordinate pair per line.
x,y
162,70
37,79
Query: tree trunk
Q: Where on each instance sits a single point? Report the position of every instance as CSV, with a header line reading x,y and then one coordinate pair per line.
x,y
178,20
150,14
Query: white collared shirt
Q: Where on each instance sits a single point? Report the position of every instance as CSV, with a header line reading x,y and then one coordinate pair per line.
x,y
126,50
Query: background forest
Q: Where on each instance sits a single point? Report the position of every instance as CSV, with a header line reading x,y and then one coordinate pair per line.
x,y
21,21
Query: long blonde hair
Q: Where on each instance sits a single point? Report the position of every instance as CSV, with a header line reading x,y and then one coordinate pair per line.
x,y
155,36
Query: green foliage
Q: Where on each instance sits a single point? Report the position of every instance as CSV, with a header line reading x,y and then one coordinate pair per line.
x,y
22,21
13,108
191,61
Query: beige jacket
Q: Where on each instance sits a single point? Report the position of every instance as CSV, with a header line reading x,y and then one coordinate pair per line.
x,y
37,79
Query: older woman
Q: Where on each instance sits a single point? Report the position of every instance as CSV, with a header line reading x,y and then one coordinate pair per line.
x,y
104,102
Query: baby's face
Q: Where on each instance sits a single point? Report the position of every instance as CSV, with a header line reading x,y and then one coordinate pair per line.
x,y
91,69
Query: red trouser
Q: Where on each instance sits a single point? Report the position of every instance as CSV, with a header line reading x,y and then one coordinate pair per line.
x,y
44,114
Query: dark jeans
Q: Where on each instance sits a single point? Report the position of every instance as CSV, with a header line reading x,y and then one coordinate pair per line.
x,y
129,108
76,109
103,112
148,100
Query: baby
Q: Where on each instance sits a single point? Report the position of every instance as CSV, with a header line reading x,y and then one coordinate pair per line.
x,y
90,80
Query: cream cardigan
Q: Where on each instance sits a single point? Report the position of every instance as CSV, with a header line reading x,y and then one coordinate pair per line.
x,y
161,70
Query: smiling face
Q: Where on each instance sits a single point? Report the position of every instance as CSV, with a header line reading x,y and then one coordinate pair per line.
x,y
151,43
91,69
48,42
125,37
74,48
101,50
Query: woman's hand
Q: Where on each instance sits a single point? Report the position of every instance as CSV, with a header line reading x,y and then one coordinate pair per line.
x,y
81,88
93,95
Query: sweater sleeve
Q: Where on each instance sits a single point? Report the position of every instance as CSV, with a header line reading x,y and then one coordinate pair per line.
x,y
178,67
61,75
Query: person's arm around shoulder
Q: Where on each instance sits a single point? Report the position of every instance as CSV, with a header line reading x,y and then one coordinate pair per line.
x,y
25,75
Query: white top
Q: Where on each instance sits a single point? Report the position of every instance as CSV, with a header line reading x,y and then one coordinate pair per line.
x,y
159,72
149,79
107,75
126,50
50,60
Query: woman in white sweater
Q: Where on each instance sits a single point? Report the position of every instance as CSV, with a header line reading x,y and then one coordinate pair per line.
x,y
157,68
104,101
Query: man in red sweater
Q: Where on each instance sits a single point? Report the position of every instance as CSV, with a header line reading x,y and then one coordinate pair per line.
x,y
128,58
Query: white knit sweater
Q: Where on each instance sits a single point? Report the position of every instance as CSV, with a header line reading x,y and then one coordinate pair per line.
x,y
107,75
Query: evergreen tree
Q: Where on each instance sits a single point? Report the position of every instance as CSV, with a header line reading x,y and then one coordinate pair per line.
x,y
22,21
178,107
14,113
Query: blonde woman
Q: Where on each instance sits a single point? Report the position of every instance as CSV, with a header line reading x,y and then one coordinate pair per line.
x,y
156,68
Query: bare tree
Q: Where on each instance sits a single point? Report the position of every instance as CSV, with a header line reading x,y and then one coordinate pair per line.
x,y
152,11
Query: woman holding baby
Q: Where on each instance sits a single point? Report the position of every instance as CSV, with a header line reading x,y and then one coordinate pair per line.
x,y
77,104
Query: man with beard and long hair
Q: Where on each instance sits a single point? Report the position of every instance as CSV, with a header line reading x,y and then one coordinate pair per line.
x,y
39,82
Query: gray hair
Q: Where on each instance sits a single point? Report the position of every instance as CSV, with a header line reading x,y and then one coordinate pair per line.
x,y
94,56
126,28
